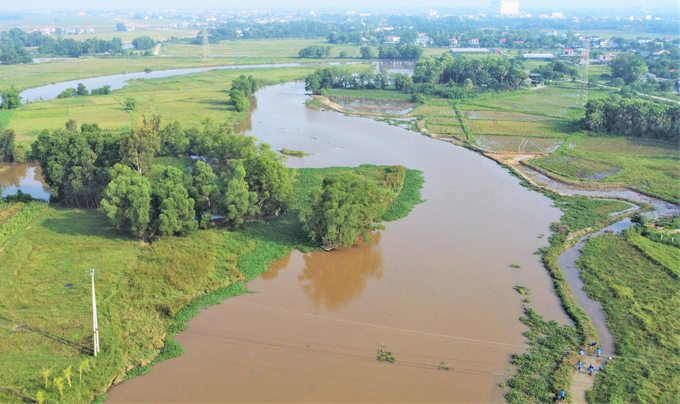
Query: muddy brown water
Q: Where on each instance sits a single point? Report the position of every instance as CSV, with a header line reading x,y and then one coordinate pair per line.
x,y
435,286
26,177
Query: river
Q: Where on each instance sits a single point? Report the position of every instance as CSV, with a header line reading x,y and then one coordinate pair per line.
x,y
435,286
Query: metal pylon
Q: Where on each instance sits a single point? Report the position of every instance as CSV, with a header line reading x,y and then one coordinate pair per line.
x,y
206,45
583,72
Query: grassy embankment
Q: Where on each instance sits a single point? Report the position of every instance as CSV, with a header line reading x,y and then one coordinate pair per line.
x,y
188,99
145,292
541,122
637,281
548,366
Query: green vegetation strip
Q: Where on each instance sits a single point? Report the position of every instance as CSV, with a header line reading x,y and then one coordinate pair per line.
x,y
21,219
640,299
146,292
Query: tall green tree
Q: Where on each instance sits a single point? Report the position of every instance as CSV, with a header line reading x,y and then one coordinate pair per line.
x,y
204,191
173,208
127,200
140,146
7,146
81,90
240,100
344,207
627,66
10,99
143,43
269,179
237,202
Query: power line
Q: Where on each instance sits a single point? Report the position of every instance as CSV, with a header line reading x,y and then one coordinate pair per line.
x,y
583,72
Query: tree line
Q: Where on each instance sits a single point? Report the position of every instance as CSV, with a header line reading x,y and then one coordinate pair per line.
x,y
82,91
492,73
633,116
233,177
315,52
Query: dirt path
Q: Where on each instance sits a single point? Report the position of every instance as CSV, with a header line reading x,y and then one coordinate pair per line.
x,y
582,381
157,50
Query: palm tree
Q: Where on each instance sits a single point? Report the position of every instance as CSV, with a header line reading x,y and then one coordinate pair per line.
x,y
84,365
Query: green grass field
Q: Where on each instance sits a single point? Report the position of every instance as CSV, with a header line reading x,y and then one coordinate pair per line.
x,y
45,308
187,99
640,298
652,167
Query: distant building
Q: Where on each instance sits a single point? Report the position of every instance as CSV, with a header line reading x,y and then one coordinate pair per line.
x,y
604,59
503,40
538,56
474,41
518,42
422,40
557,16
454,42
505,7
568,52
644,39
392,39
469,50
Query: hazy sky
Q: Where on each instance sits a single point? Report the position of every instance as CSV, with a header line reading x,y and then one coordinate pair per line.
x,y
319,4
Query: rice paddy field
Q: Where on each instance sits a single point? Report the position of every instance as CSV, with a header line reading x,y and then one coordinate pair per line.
x,y
649,166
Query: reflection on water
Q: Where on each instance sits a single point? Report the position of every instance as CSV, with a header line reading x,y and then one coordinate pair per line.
x,y
333,279
25,177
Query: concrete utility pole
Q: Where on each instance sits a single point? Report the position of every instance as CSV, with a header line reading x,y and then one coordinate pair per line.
x,y
94,317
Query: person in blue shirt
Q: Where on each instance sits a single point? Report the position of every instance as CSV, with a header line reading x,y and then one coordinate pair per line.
x,y
599,351
601,368
580,352
579,366
562,394
593,343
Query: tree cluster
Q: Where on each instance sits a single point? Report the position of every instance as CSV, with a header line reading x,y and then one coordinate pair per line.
x,y
10,99
81,91
315,52
556,70
497,74
143,43
344,207
629,67
328,78
233,177
633,116
242,89
7,146
402,52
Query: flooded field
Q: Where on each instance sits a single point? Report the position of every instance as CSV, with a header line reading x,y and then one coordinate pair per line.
x,y
374,105
433,287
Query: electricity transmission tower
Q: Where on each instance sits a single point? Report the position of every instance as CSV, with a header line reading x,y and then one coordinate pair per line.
x,y
206,46
583,72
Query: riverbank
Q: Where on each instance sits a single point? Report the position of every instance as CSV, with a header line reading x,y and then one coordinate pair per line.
x,y
146,292
582,215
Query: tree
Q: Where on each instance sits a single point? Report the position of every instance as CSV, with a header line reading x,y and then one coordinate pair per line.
x,y
68,372
7,146
173,208
120,27
59,383
618,82
174,141
143,43
140,145
248,85
127,200
344,207
367,52
240,100
204,191
237,201
627,66
130,104
468,84
81,91
269,179
343,55
10,99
